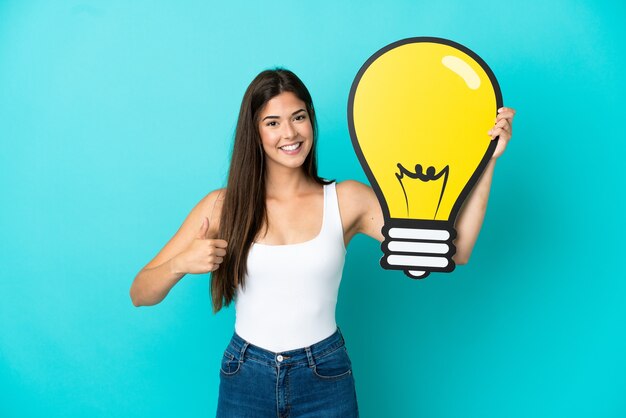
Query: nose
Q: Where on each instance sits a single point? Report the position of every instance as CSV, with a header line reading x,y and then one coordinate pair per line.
x,y
289,131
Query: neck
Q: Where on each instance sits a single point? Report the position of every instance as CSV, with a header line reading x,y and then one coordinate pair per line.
x,y
286,182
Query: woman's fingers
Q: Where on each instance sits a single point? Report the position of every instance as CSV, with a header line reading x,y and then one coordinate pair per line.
x,y
503,126
502,133
507,112
503,129
215,267
218,243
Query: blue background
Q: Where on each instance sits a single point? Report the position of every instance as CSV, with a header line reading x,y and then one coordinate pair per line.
x,y
117,117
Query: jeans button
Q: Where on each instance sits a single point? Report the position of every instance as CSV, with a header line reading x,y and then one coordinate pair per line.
x,y
279,358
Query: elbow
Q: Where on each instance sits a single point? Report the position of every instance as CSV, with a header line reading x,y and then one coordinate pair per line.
x,y
462,254
461,259
134,298
135,301
143,297
137,292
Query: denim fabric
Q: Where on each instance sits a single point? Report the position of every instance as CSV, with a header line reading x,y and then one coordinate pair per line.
x,y
314,381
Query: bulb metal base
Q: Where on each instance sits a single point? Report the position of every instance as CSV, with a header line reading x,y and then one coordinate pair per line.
x,y
418,247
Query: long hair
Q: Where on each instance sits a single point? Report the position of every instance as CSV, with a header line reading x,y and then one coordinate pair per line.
x,y
244,211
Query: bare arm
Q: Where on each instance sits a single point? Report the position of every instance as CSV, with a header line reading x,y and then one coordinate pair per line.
x,y
470,219
193,249
360,210
151,285
370,221
364,214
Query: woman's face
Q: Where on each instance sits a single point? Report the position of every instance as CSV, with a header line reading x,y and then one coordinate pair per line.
x,y
286,131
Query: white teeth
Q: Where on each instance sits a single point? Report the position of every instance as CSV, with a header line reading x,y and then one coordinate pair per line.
x,y
291,147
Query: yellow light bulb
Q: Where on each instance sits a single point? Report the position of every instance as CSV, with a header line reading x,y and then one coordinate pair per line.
x,y
418,113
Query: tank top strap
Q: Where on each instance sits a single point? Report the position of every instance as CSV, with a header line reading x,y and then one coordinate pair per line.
x,y
332,217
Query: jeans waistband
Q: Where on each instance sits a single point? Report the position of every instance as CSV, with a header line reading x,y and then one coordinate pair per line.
x,y
244,349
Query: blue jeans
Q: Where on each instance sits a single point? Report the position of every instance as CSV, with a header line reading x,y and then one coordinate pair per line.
x,y
314,381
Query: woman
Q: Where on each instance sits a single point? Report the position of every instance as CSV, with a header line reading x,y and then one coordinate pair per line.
x,y
275,242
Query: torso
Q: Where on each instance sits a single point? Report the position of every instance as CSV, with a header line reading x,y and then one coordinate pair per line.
x,y
286,223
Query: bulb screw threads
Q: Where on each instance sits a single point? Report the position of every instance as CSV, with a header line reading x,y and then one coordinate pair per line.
x,y
418,247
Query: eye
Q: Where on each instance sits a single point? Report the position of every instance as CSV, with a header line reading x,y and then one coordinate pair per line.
x,y
271,123
301,116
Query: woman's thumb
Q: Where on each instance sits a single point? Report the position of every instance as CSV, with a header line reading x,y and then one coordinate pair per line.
x,y
203,228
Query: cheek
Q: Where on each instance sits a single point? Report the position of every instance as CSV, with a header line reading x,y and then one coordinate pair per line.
x,y
267,138
307,131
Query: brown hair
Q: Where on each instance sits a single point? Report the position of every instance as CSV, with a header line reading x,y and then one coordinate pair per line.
x,y
244,210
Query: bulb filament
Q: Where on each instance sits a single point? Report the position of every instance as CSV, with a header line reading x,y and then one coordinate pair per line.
x,y
430,175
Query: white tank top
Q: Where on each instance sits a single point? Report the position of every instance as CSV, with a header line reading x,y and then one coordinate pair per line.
x,y
291,290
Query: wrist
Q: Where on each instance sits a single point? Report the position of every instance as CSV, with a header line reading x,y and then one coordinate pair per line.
x,y
174,266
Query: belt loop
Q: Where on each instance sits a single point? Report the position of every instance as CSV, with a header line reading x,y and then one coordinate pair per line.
x,y
243,351
340,336
309,357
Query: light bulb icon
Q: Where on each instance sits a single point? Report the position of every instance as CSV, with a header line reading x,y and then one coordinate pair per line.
x,y
418,113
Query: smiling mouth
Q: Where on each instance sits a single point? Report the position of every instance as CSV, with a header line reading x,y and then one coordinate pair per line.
x,y
292,147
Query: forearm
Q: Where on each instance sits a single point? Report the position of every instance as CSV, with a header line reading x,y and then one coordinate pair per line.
x,y
152,285
470,219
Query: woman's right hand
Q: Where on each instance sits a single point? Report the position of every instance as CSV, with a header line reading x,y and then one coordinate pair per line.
x,y
203,255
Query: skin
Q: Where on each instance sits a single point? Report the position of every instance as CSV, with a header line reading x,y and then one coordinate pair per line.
x,y
195,248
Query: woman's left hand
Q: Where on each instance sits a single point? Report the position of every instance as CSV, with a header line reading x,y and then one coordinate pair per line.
x,y
503,129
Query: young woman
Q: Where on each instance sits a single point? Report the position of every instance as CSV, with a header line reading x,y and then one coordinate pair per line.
x,y
275,240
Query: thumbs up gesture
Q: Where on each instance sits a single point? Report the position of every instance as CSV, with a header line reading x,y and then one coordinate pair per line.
x,y
205,253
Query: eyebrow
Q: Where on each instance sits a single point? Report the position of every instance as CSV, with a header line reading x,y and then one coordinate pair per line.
x,y
278,117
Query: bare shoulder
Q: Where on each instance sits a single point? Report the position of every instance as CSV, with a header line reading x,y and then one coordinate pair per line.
x,y
359,208
214,198
348,193
209,206
354,193
349,185
215,195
